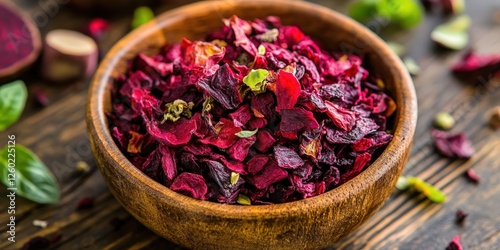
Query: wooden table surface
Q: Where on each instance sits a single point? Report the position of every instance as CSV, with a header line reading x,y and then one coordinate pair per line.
x,y
57,134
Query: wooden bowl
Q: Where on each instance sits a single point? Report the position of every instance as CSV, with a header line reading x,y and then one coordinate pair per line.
x,y
306,224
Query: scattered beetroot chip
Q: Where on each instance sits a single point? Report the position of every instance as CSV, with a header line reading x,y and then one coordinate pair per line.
x,y
37,243
472,175
97,28
455,244
256,113
190,184
474,66
453,146
460,216
85,203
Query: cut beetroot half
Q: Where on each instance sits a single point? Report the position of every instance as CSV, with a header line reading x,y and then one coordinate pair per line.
x,y
20,41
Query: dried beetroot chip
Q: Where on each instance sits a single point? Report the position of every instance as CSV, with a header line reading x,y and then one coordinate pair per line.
x,y
226,135
265,141
305,170
453,146
168,163
97,28
37,243
287,158
189,162
342,118
234,166
271,173
305,189
455,244
359,164
378,139
241,116
460,216
135,142
472,175
256,123
257,163
85,203
223,87
198,149
239,150
172,133
474,66
263,105
296,120
310,143
364,126
222,177
332,177
290,35
119,138
287,90
241,29
153,67
191,185
203,54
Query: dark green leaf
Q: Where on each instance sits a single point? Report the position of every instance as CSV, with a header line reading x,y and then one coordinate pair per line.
x,y
12,101
246,133
33,179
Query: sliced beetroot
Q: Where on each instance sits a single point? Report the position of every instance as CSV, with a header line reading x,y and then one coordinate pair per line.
x,y
19,39
256,113
453,146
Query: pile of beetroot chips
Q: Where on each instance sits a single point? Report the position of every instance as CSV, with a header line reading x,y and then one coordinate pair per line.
x,y
257,113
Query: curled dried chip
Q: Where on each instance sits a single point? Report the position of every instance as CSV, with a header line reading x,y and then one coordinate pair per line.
x,y
453,146
455,244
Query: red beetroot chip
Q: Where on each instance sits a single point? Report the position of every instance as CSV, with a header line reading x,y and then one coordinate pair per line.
x,y
190,184
453,146
271,173
342,118
287,90
265,141
257,163
239,150
226,135
296,120
241,116
287,158
472,175
455,244
475,66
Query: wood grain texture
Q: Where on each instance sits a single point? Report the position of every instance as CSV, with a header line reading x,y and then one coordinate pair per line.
x,y
308,224
58,135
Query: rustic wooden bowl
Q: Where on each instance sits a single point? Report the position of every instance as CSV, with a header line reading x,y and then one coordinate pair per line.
x,y
307,224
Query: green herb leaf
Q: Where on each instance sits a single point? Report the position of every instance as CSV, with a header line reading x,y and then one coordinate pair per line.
x,y
243,200
363,10
255,80
13,98
33,179
261,50
412,66
399,49
404,13
453,35
403,183
431,192
142,15
234,178
246,133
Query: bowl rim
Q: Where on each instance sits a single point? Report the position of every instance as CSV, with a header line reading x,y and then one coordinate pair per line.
x,y
393,155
